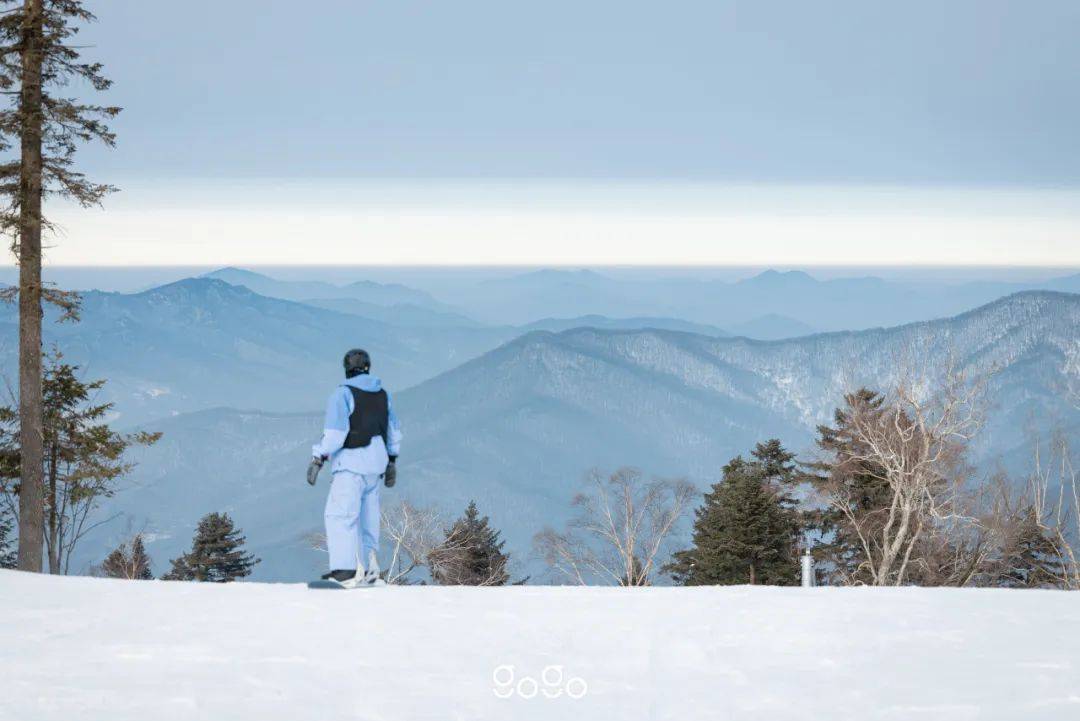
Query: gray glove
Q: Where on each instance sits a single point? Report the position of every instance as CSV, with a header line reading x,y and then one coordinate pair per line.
x,y
313,470
390,475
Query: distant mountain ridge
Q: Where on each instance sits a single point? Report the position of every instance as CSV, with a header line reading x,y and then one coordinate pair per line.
x,y
517,427
850,303
201,342
598,321
362,290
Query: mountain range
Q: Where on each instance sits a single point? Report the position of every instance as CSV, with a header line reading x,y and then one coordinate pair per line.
x,y
383,294
202,342
768,306
796,296
516,427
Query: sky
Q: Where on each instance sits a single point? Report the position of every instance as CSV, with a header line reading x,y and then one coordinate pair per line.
x,y
585,131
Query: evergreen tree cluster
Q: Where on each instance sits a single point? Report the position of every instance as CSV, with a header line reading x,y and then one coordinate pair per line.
x,y
7,550
746,530
471,554
217,554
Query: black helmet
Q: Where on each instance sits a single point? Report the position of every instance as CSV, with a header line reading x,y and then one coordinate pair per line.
x,y
357,361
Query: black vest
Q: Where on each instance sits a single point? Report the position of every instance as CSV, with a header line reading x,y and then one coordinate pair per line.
x,y
370,417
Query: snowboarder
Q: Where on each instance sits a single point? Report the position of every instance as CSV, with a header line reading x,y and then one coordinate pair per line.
x,y
361,438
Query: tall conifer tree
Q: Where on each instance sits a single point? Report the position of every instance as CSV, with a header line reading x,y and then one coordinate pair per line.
x,y
38,61
745,530
840,549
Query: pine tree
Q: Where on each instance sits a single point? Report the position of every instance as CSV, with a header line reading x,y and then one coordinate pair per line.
x,y
778,470
84,457
471,554
216,554
744,531
839,552
38,62
1032,559
7,553
128,563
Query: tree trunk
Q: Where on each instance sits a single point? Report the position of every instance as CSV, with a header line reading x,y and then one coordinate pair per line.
x,y
55,540
31,431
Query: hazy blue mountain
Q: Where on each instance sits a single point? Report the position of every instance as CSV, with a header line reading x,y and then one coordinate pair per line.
x,y
556,325
201,342
1066,284
363,290
400,314
517,427
772,326
827,305
542,294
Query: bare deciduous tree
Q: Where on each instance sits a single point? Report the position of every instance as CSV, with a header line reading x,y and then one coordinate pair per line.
x,y
619,531
128,560
417,541
913,444
1054,487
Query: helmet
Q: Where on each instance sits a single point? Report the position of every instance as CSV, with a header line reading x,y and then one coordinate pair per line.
x,y
356,361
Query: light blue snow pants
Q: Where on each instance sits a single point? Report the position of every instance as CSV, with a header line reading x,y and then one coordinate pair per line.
x,y
352,518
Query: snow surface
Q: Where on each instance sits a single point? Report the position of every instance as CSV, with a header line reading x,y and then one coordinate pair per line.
x,y
83,648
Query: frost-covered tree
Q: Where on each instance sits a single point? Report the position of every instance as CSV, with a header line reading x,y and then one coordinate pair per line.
x,y
471,553
128,561
217,553
40,65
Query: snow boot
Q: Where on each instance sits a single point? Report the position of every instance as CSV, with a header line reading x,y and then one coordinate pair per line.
x,y
339,575
371,576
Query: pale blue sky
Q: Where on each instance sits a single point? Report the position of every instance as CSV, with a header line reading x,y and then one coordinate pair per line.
x,y
965,91
918,104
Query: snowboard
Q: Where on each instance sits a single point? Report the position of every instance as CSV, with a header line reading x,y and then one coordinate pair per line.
x,y
334,585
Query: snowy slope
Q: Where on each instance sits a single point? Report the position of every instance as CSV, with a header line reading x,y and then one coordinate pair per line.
x,y
95,649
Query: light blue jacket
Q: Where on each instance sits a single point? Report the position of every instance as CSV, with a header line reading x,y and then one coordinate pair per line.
x,y
371,459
